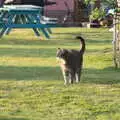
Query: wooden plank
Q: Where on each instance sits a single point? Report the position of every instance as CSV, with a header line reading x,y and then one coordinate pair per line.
x,y
24,12
32,25
114,41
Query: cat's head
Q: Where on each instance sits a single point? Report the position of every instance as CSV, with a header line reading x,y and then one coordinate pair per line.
x,y
62,54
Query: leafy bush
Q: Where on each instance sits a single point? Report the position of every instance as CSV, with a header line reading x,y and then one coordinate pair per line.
x,y
97,14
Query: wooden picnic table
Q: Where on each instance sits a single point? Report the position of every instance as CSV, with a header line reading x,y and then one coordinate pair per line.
x,y
32,19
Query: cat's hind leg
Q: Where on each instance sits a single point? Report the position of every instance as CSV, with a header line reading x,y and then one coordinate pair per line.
x,y
71,77
78,75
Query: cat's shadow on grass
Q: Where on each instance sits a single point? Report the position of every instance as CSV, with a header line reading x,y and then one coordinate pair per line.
x,y
96,76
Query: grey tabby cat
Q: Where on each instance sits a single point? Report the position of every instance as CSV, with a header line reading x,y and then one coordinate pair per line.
x,y
71,62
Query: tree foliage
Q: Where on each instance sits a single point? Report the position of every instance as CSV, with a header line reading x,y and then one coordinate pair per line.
x,y
97,14
109,3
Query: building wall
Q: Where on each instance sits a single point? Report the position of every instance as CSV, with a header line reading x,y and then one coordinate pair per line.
x,y
78,13
60,5
59,10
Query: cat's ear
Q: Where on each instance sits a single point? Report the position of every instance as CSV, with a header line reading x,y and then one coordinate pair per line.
x,y
59,48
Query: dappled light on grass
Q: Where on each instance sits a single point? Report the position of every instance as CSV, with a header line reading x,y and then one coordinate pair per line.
x,y
31,82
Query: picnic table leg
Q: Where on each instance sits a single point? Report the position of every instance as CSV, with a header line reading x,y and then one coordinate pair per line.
x,y
2,32
7,32
40,29
49,30
36,32
31,20
44,32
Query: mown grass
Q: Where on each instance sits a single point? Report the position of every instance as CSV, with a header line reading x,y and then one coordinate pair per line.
x,y
31,83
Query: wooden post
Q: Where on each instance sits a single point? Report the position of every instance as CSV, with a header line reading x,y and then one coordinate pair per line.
x,y
118,43
116,35
114,41
97,4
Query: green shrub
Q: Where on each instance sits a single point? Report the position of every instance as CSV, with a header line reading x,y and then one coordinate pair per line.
x,y
97,14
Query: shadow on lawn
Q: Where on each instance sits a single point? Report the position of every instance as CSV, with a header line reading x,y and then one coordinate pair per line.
x,y
37,44
98,41
24,52
108,75
59,37
83,31
29,73
14,41
13,118
96,76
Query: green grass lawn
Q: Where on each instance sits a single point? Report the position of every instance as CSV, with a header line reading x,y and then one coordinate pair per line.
x,y
31,82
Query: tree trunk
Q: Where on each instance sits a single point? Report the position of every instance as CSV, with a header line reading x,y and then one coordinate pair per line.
x,y
97,4
80,13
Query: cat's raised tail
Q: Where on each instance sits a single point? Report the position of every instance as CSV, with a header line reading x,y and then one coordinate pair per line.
x,y
82,50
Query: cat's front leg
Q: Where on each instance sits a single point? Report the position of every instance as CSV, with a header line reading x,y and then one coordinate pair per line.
x,y
66,77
